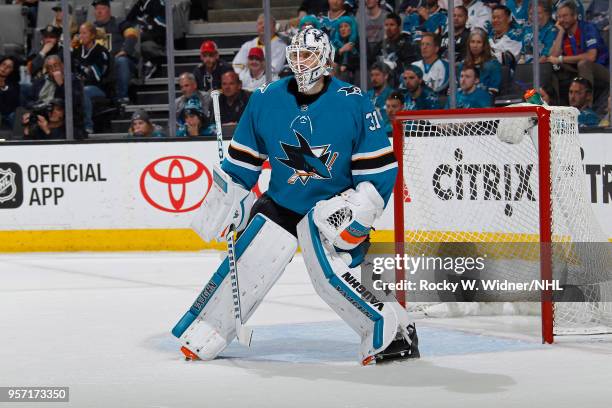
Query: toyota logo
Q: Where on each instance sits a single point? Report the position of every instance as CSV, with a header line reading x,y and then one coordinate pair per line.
x,y
175,184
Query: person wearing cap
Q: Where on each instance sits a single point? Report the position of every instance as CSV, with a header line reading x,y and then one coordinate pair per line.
x,y
48,126
208,73
49,45
277,45
149,18
194,121
141,126
121,40
255,76
58,20
417,95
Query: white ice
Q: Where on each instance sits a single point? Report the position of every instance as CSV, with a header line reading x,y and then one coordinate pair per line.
x,y
100,324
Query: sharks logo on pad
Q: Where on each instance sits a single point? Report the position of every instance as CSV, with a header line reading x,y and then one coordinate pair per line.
x,y
305,160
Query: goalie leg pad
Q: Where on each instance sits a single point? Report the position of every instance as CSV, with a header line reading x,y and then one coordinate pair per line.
x,y
227,203
374,320
262,252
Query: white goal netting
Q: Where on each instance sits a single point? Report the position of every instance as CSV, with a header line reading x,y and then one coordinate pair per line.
x,y
475,181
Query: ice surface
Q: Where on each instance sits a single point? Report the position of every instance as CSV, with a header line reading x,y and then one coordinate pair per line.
x,y
100,323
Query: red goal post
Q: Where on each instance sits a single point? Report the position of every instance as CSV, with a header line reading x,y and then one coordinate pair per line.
x,y
410,127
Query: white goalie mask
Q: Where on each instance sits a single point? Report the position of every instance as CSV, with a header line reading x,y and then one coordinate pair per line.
x,y
310,56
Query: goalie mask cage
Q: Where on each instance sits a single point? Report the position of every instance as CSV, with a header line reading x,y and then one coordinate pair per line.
x,y
505,175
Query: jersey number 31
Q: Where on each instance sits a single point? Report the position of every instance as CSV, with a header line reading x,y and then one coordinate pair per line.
x,y
373,118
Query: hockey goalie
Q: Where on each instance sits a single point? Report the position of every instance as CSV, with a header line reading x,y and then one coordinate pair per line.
x,y
332,173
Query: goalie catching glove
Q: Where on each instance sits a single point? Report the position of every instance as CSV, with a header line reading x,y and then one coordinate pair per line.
x,y
346,220
227,203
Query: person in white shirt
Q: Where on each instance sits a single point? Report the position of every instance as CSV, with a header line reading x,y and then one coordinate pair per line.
x,y
435,70
278,48
255,75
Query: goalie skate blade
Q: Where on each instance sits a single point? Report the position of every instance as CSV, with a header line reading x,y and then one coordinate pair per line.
x,y
189,355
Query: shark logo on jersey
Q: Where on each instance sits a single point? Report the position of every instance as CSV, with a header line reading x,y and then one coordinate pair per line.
x,y
305,160
350,90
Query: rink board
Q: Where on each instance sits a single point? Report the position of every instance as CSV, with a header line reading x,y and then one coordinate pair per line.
x,y
141,195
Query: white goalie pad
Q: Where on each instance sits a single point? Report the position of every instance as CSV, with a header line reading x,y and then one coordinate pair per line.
x,y
227,203
346,220
263,251
374,320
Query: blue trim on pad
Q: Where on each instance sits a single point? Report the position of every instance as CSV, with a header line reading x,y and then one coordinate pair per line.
x,y
335,281
217,279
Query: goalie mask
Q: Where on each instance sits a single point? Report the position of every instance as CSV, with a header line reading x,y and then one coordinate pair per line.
x,y
310,56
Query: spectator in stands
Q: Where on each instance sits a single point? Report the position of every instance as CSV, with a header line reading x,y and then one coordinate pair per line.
x,y
141,126
546,34
329,22
91,63
479,55
435,70
505,37
579,8
581,98
194,121
470,95
255,75
45,122
375,28
189,91
209,72
122,45
149,17
519,10
58,20
277,45
346,44
398,50
479,14
51,86
435,17
460,16
9,90
50,45
393,104
233,100
597,13
379,77
579,49
418,96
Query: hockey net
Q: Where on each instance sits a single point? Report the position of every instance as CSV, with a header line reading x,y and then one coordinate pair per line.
x,y
508,184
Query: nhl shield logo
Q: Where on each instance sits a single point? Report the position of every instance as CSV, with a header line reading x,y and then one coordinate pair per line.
x,y
11,194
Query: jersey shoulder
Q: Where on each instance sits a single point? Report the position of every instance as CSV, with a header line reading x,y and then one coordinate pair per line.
x,y
347,95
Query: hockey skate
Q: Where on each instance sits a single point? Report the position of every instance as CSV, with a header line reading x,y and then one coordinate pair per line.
x,y
399,349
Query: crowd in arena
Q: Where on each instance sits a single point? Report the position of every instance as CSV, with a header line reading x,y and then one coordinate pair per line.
x,y
408,61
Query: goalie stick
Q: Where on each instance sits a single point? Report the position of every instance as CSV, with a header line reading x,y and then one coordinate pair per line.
x,y
243,333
